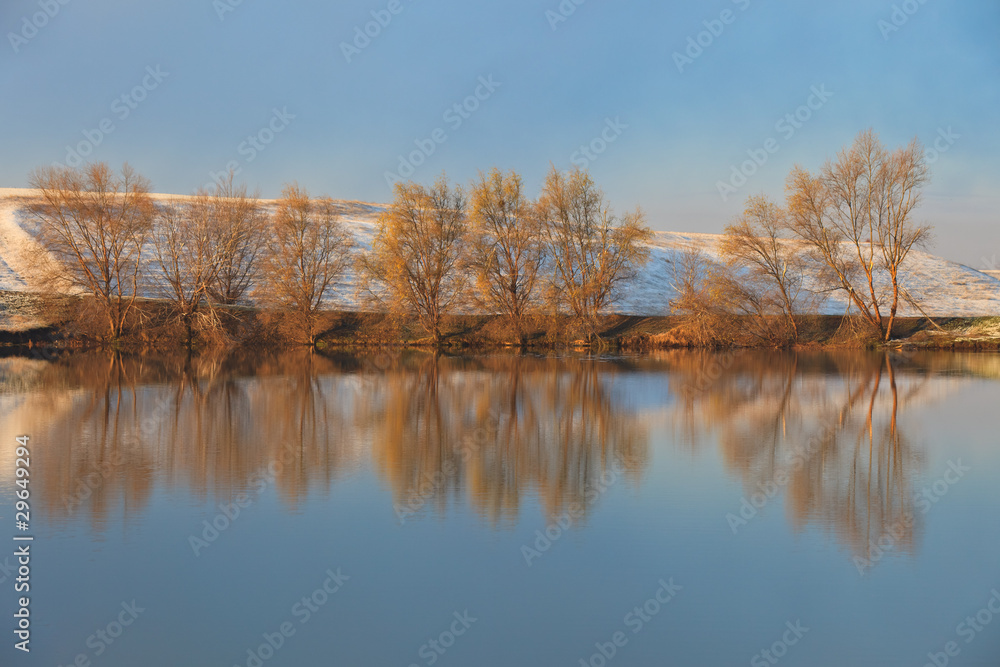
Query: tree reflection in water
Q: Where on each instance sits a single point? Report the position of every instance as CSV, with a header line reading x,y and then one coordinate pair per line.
x,y
486,432
829,422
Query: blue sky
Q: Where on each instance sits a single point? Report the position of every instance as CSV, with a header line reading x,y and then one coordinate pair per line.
x,y
600,73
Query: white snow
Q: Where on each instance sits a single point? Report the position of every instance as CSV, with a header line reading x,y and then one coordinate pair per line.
x,y
16,244
943,288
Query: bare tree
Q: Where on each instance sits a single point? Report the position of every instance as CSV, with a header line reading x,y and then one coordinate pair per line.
x,y
240,229
768,271
856,215
308,251
94,223
700,299
186,248
416,261
593,252
905,173
507,247
808,203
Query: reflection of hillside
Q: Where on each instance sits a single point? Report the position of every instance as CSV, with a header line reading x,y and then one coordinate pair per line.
x,y
831,423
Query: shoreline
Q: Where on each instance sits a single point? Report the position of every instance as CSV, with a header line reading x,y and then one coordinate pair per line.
x,y
250,328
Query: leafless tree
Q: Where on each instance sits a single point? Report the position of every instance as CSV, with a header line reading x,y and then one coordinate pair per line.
x,y
700,300
857,217
240,230
507,248
308,251
417,259
767,270
94,223
905,173
593,252
187,251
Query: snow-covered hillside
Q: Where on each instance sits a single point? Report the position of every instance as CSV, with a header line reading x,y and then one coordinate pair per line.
x,y
943,288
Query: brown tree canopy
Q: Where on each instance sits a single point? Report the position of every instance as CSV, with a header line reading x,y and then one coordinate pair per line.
x,y
767,271
593,252
94,223
416,264
184,243
308,251
241,229
857,217
508,252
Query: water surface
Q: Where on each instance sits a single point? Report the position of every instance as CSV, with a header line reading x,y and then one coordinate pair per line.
x,y
685,508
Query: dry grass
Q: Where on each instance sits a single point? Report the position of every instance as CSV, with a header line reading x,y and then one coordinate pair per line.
x,y
76,321
21,311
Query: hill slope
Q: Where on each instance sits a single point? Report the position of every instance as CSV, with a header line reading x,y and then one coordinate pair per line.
x,y
945,289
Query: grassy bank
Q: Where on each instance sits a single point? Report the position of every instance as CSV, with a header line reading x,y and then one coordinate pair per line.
x,y
30,322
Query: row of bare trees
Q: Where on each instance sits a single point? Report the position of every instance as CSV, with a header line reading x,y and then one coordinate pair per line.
x,y
566,251
437,250
443,249
850,228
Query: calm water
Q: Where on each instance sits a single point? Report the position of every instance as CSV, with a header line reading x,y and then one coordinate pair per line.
x,y
680,509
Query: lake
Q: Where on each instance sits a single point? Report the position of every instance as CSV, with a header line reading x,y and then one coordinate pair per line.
x,y
678,508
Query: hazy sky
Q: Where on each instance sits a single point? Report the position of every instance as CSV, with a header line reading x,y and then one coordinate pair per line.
x,y
670,96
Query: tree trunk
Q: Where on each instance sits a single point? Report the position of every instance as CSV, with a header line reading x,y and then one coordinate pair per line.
x,y
892,311
436,333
